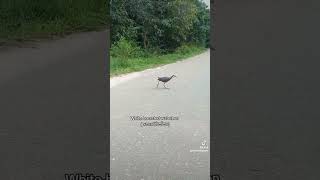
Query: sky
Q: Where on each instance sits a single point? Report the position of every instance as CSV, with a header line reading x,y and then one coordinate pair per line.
x,y
207,2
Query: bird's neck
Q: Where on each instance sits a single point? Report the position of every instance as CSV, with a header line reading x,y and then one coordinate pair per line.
x,y
171,77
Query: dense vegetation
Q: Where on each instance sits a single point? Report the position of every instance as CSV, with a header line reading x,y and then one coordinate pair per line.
x,y
145,30
23,19
162,24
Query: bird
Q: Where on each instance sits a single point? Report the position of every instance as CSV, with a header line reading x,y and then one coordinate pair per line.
x,y
165,80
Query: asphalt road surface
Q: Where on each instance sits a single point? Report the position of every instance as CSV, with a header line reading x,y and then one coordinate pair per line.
x,y
53,103
161,152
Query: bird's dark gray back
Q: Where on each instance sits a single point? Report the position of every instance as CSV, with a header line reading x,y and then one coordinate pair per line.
x,y
164,79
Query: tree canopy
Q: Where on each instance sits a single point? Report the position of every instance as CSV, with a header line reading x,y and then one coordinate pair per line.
x,y
160,24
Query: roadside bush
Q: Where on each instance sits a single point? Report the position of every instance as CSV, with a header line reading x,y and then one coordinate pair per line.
x,y
125,49
165,24
122,50
187,49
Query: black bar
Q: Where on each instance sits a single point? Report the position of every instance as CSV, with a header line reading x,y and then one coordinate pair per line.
x,y
265,119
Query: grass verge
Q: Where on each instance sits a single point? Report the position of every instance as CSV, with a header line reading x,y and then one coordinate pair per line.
x,y
118,67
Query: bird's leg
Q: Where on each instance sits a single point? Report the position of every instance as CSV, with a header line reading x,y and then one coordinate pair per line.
x,y
158,84
164,84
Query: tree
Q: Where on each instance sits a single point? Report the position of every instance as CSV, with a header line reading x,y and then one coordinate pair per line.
x,y
121,24
201,28
163,24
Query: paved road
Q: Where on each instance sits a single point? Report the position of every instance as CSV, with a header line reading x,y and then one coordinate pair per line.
x,y
162,152
53,108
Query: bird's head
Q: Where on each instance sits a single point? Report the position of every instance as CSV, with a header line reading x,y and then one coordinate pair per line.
x,y
174,76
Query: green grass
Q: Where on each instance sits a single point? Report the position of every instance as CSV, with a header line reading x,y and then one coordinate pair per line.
x,y
122,66
29,19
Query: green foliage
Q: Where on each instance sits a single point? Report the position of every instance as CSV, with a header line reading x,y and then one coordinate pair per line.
x,y
125,49
182,16
152,60
200,33
29,18
161,25
149,33
122,25
187,49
